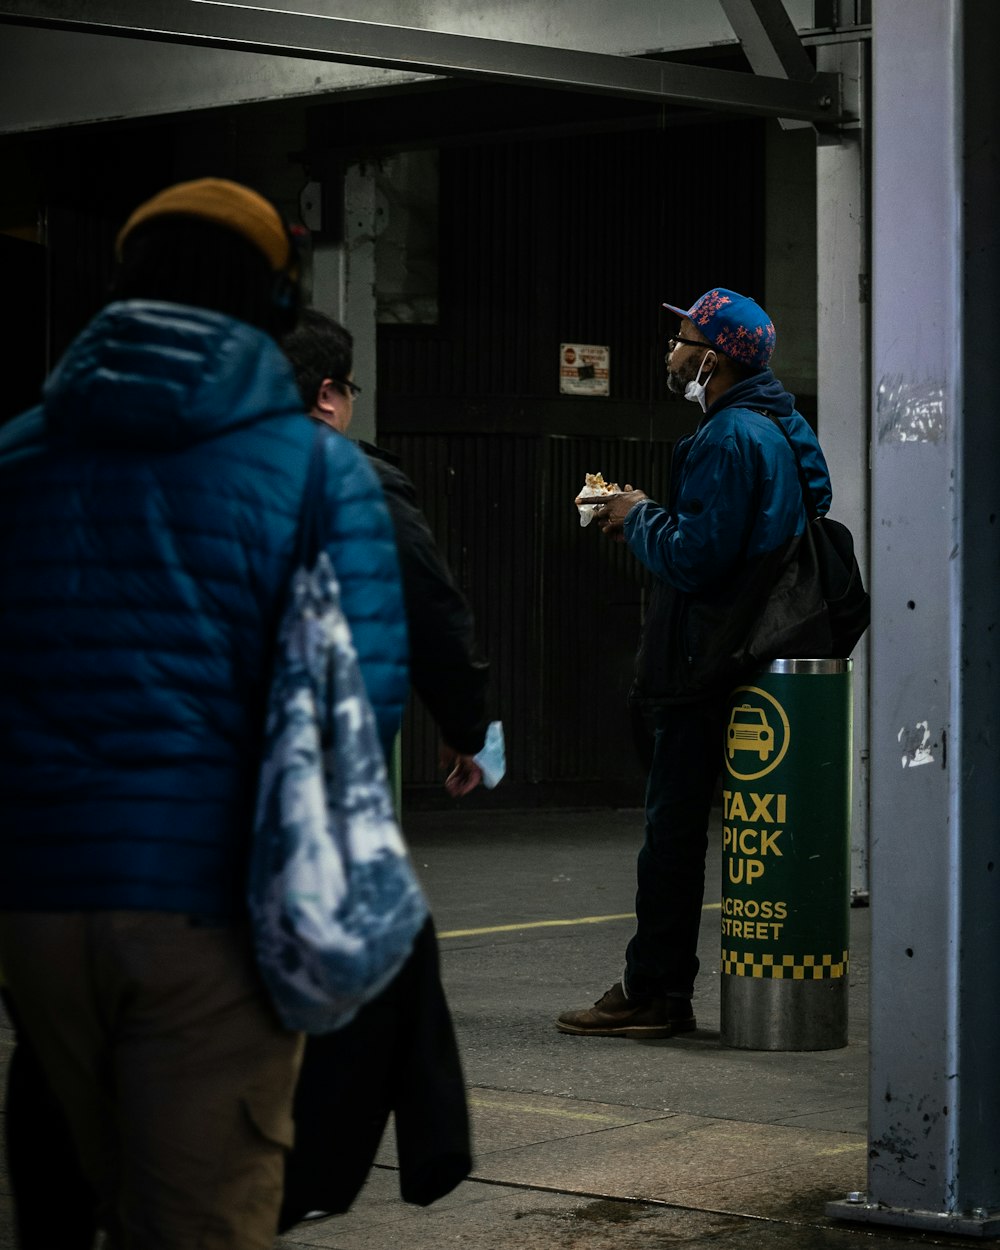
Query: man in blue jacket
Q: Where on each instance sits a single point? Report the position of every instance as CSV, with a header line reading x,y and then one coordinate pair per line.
x,y
735,505
148,519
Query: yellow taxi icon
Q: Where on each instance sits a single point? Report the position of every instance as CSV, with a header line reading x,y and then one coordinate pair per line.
x,y
748,730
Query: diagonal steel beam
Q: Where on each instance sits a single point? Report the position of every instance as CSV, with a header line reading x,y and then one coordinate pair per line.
x,y
208,23
770,41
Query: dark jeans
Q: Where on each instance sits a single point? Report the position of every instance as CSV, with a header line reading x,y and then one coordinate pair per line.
x,y
662,958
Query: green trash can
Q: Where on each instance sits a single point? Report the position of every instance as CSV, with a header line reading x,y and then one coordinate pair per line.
x,y
786,858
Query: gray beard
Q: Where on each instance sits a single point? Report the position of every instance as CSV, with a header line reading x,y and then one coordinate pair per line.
x,y
675,383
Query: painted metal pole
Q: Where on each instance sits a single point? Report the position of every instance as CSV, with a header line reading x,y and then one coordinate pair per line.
x,y
934,1108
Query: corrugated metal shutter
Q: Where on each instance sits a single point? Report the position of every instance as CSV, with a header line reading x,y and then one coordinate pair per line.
x,y
572,240
558,606
579,240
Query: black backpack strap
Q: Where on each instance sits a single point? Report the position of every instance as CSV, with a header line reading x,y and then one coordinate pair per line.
x,y
807,495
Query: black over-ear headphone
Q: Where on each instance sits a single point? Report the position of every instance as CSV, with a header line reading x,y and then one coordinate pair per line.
x,y
286,291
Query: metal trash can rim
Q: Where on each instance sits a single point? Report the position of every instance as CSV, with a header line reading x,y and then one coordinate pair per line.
x,y
827,665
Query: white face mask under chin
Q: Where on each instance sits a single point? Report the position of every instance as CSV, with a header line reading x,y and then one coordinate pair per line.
x,y
694,392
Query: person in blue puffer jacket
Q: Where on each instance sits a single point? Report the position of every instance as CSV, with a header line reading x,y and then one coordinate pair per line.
x,y
148,521
735,508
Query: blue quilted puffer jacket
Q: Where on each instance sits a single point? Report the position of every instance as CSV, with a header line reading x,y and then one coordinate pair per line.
x,y
148,516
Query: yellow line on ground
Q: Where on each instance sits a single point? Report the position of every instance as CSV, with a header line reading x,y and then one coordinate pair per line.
x,y
548,924
558,1112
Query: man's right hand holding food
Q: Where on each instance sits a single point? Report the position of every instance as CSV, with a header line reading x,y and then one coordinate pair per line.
x,y
610,516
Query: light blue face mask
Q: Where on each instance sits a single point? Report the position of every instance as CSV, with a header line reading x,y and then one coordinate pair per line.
x,y
694,392
492,759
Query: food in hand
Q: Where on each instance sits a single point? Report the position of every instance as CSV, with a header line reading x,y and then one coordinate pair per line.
x,y
594,484
595,491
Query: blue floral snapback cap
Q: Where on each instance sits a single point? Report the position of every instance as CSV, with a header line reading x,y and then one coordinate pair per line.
x,y
734,323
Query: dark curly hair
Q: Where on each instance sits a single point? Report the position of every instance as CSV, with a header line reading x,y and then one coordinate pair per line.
x,y
318,348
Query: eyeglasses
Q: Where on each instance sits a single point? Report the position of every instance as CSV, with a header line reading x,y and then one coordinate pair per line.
x,y
352,388
672,343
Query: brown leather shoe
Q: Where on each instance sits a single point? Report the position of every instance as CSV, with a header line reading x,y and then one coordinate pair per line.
x,y
614,1015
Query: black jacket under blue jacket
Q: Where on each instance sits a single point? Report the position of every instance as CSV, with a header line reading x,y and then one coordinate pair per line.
x,y
148,514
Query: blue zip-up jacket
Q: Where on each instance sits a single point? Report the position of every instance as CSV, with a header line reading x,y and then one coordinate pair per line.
x,y
735,503
148,520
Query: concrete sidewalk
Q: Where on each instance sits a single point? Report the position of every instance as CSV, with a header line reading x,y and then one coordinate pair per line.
x,y
603,1142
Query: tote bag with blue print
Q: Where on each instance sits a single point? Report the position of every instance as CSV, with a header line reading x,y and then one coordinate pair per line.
x,y
334,902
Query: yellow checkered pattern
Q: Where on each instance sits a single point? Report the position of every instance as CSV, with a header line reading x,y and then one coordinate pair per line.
x,y
785,967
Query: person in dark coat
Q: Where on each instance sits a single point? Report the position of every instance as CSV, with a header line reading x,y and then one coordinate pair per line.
x,y
399,1055
447,669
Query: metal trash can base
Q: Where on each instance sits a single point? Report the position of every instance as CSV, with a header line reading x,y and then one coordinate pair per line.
x,y
783,1015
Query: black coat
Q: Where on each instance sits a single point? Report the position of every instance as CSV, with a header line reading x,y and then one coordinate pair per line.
x,y
446,668
400,1055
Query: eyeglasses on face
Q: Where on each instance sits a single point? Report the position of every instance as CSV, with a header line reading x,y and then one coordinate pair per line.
x,y
675,339
352,388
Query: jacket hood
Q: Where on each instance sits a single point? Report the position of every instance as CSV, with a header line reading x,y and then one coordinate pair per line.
x,y
148,374
763,391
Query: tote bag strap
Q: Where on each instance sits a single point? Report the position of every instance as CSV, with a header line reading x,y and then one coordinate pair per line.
x,y
309,532
311,514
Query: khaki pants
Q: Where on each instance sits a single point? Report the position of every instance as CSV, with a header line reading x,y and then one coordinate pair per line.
x,y
174,1072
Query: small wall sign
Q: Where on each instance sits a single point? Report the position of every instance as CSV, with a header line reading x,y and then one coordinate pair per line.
x,y
584,369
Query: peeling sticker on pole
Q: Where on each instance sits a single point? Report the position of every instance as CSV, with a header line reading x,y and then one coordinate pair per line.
x,y
910,412
915,743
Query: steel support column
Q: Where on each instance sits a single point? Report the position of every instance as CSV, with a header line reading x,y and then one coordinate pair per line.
x,y
843,374
359,301
934,1119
